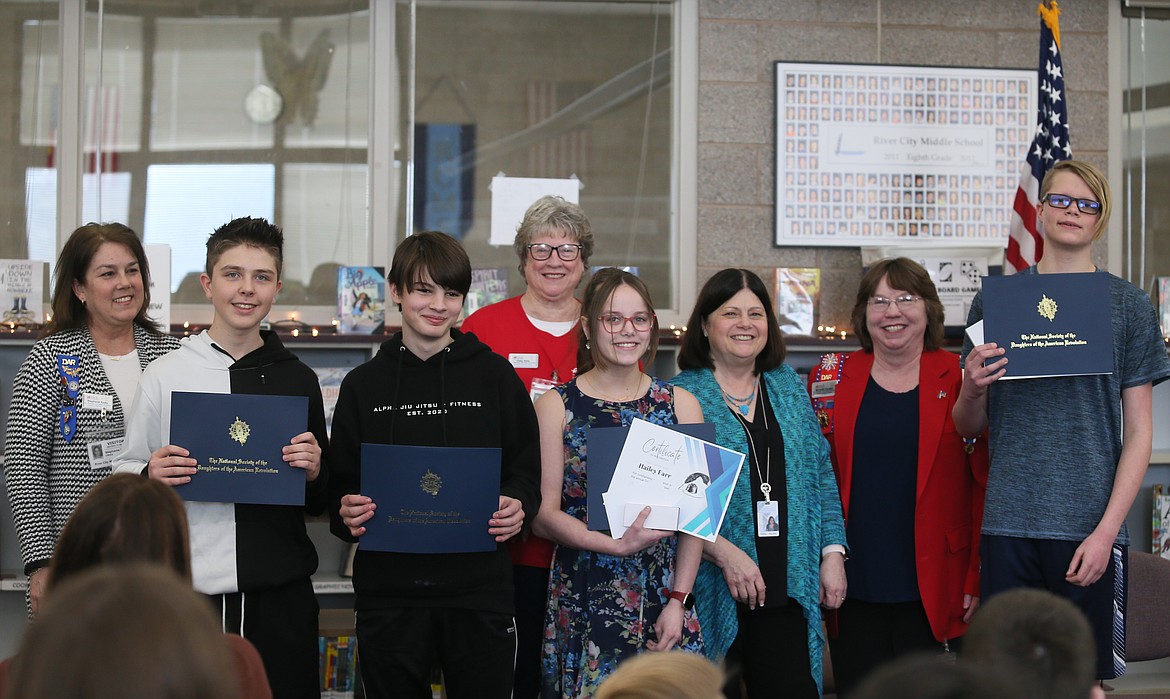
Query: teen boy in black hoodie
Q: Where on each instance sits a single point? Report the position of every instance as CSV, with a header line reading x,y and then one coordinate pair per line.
x,y
430,385
253,560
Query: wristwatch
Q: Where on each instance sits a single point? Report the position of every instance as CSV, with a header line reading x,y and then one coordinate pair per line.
x,y
687,599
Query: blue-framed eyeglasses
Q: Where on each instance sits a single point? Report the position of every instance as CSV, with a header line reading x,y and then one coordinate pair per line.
x,y
1063,201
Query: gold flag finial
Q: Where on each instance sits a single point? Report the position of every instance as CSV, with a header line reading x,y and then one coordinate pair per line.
x,y
1050,12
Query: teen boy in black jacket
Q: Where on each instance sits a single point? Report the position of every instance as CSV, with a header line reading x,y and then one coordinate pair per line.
x,y
431,385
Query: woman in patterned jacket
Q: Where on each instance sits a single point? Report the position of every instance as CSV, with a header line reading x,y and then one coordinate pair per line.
x,y
72,391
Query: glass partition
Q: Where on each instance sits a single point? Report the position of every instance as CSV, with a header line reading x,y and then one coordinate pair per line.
x,y
557,90
1145,192
188,113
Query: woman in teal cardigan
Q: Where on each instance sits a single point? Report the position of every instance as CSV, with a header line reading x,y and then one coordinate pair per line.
x,y
760,590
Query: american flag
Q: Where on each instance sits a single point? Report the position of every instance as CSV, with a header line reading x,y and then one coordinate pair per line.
x,y
1050,145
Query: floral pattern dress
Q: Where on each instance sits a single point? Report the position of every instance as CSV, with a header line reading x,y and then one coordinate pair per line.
x,y
602,608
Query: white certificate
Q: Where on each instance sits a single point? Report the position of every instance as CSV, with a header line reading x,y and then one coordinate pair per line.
x,y
663,468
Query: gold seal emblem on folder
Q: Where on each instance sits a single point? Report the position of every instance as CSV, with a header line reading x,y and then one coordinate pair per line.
x,y
1047,307
430,483
239,431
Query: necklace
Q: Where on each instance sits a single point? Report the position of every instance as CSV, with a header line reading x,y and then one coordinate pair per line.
x,y
743,405
602,394
766,475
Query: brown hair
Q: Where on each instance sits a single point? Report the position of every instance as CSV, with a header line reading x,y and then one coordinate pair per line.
x,y
601,288
1093,178
1039,639
433,253
253,232
695,352
552,214
124,519
907,275
72,264
124,631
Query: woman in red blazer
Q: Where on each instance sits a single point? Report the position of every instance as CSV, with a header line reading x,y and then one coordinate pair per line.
x,y
911,487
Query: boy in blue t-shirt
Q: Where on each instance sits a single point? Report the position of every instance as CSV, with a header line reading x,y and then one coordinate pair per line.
x,y
1068,454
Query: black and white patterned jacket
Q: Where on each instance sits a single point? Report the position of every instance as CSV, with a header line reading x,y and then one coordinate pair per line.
x,y
45,475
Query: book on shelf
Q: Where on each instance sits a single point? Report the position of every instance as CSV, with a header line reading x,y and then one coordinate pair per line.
x,y
798,292
1161,510
361,300
487,287
22,292
338,666
330,380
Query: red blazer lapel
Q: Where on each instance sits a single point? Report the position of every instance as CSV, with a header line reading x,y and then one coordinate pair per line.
x,y
934,406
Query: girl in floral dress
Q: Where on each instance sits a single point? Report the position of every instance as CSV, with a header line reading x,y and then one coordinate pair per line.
x,y
609,599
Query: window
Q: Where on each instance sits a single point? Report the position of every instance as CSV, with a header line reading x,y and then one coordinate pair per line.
x,y
173,128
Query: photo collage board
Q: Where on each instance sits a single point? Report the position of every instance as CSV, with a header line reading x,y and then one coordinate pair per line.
x,y
881,154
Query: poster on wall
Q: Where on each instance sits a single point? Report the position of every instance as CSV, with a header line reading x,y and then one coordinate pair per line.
x,y
886,154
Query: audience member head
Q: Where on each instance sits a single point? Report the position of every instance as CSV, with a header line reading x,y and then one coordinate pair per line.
x,y
124,519
1040,640
596,303
672,675
73,268
123,631
931,676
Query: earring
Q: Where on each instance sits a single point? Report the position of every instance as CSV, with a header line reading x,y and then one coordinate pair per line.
x,y
587,345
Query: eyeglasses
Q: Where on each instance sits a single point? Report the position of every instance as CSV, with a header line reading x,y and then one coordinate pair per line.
x,y
616,322
566,251
1063,201
904,301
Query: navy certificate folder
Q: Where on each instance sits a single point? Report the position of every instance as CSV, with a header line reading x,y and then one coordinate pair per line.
x,y
430,499
237,440
605,447
1050,324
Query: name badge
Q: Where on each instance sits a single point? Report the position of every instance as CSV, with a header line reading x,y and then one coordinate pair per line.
x,y
824,389
767,518
101,453
524,361
96,401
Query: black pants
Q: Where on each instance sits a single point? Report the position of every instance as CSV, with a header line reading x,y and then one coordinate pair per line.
x,y
770,654
282,623
398,648
1009,562
870,634
531,597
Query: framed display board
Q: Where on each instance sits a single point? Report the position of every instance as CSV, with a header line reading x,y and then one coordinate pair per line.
x,y
885,154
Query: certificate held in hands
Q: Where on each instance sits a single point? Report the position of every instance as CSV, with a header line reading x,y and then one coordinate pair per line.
x,y
1050,324
237,441
430,499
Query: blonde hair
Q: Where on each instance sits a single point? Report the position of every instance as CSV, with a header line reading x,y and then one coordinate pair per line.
x,y
672,675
